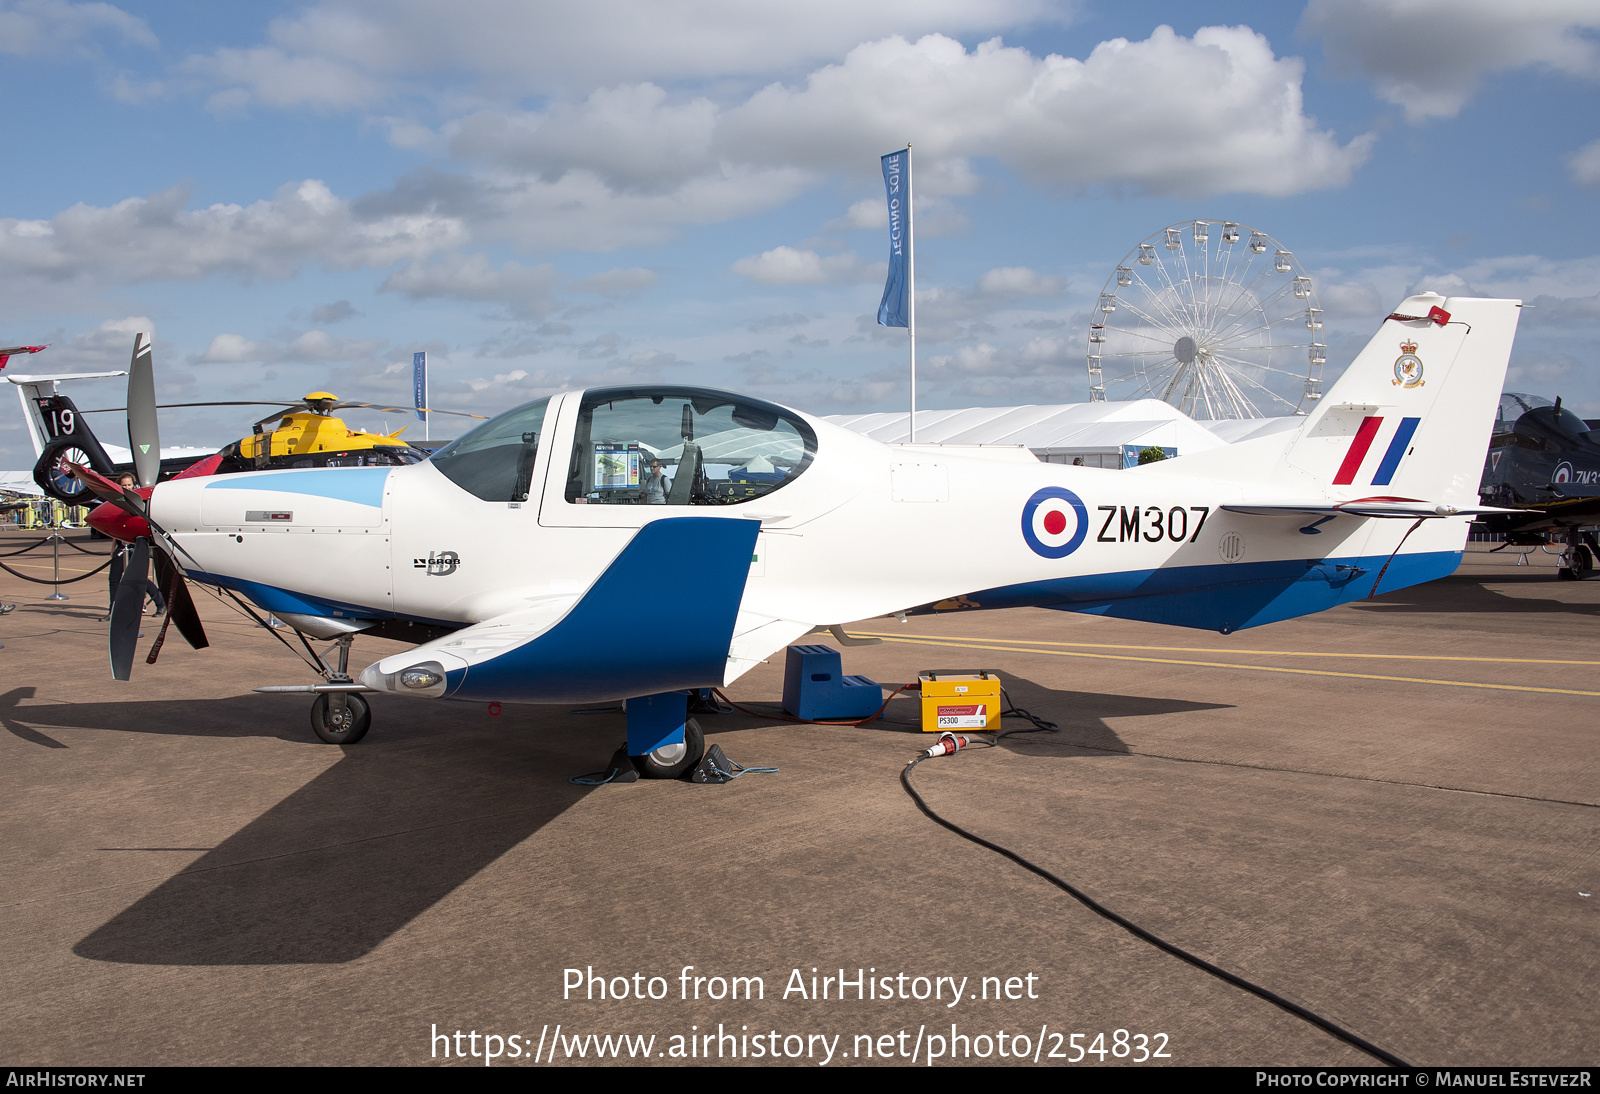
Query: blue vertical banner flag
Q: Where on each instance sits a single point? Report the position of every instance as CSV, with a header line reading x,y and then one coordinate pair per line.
x,y
419,383
894,311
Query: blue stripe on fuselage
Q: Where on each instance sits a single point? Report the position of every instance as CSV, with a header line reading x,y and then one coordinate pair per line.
x,y
362,485
271,598
659,619
1225,597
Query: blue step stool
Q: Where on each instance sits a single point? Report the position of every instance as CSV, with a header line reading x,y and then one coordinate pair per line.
x,y
815,687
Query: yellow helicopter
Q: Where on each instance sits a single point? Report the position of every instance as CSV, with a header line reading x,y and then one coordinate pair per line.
x,y
314,437
308,435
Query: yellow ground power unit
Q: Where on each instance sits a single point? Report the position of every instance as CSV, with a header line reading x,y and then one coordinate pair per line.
x,y
959,700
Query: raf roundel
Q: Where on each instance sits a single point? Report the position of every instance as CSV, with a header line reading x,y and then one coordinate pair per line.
x,y
1054,522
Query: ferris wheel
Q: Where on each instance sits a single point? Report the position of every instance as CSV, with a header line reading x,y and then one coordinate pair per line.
x,y
1215,318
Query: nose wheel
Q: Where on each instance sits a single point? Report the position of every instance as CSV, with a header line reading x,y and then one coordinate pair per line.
x,y
341,718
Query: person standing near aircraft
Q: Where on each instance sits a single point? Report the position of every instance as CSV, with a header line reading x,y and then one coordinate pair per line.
x,y
119,558
656,485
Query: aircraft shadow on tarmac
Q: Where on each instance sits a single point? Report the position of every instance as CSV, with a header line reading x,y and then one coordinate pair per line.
x,y
400,821
1082,715
1463,594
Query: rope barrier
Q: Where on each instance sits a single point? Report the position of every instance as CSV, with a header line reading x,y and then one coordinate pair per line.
x,y
25,550
74,545
65,581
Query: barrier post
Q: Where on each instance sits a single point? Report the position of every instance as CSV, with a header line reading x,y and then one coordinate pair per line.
x,y
55,558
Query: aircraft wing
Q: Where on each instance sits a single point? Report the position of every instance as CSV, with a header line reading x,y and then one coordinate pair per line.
x,y
755,637
1382,508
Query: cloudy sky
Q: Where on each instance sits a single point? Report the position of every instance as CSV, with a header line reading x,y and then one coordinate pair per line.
x,y
546,196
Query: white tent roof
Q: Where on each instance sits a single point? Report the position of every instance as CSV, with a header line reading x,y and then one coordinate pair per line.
x,y
19,482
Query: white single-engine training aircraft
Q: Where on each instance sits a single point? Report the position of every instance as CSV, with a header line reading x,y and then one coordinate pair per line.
x,y
636,543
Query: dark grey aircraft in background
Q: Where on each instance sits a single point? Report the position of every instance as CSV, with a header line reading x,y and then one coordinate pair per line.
x,y
1545,460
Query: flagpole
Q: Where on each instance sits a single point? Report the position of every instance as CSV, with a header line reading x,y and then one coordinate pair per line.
x,y
911,298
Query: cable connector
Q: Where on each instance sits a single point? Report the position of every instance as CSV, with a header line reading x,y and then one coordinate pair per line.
x,y
946,744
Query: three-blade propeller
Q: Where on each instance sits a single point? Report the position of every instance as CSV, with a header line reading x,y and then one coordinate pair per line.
x,y
127,606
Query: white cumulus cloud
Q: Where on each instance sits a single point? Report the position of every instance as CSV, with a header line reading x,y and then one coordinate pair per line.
x,y
628,282
235,349
789,266
524,290
1018,281
346,47
1213,113
35,27
1585,164
1429,56
159,238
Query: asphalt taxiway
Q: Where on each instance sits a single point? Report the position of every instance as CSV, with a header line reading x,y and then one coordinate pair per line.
x,y
1387,813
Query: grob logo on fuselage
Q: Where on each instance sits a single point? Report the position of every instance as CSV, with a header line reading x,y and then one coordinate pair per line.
x,y
438,563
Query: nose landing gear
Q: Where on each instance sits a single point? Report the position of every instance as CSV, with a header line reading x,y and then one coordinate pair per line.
x,y
340,717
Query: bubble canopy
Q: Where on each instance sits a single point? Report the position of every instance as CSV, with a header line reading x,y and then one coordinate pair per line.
x,y
639,446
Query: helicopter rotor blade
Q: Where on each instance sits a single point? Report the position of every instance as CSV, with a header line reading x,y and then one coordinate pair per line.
x,y
144,435
409,409
172,406
127,609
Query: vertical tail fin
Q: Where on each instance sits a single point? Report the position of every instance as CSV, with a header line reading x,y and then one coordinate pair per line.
x,y
1411,415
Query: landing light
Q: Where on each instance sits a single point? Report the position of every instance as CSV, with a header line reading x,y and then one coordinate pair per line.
x,y
419,678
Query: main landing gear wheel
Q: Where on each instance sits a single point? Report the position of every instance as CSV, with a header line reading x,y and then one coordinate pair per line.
x,y
1578,563
670,761
344,727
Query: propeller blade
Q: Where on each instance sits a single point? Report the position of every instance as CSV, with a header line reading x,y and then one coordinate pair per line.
x,y
122,497
180,605
144,437
201,468
127,609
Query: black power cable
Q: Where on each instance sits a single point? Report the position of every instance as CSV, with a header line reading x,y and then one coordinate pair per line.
x,y
1131,927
